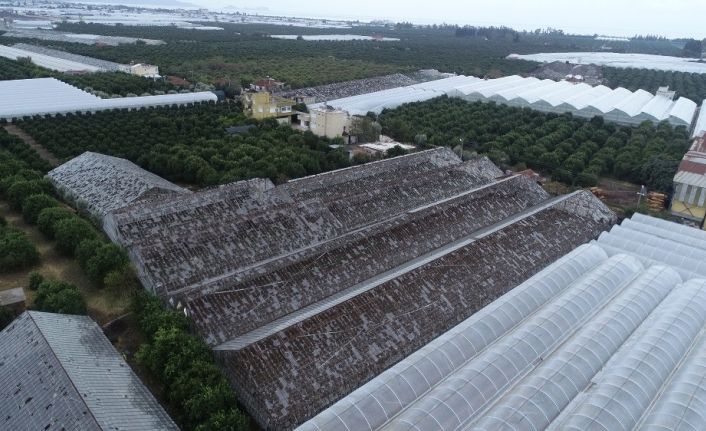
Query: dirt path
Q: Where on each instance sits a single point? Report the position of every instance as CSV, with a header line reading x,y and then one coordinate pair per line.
x,y
43,152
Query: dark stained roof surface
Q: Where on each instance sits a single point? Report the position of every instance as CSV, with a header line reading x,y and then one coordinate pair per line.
x,y
308,289
292,374
105,183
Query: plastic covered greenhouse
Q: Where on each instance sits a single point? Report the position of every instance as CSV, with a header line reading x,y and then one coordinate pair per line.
x,y
49,96
610,337
619,105
47,61
390,99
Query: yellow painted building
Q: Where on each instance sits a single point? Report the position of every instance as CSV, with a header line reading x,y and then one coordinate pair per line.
x,y
264,105
689,200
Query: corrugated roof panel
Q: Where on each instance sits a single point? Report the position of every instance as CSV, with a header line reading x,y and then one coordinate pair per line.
x,y
607,102
538,94
632,105
511,90
658,108
582,99
568,93
465,90
63,373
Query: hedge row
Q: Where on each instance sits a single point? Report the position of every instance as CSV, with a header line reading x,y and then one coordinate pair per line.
x,y
185,367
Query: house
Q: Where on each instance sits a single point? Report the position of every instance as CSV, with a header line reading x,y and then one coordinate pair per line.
x,y
689,200
59,371
264,105
326,121
383,145
268,84
140,69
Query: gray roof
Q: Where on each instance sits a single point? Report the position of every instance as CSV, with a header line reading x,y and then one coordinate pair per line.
x,y
310,288
61,372
12,296
105,183
288,371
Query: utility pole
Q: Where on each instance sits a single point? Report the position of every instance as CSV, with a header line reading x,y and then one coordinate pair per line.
x,y
641,194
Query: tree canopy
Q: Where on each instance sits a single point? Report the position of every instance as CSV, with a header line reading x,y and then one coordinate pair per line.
x,y
189,144
573,150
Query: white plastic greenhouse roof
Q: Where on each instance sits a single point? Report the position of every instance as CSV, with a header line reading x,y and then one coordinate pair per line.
x,y
619,60
49,96
606,338
389,99
619,105
46,61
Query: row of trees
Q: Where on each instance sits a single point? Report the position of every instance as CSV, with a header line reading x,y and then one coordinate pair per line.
x,y
189,144
22,186
572,150
20,172
182,364
689,85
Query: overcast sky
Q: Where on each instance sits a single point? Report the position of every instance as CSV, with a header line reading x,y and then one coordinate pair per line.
x,y
672,18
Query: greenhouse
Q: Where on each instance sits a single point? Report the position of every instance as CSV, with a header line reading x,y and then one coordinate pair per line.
x,y
610,337
619,60
101,184
619,105
49,96
47,61
390,99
